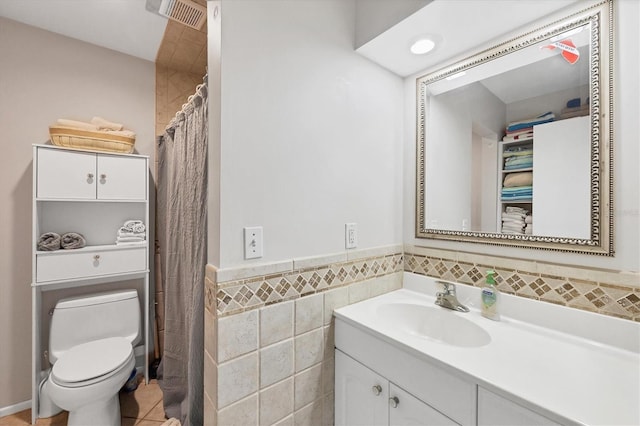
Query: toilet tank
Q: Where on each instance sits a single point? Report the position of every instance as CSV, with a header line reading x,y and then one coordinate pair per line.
x,y
98,316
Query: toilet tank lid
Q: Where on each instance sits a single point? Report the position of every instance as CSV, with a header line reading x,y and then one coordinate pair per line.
x,y
96,299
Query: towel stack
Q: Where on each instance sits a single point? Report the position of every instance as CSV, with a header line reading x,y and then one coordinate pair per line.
x,y
132,232
513,220
528,229
526,126
97,124
518,157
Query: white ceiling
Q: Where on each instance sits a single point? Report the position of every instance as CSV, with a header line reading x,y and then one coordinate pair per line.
x,y
458,25
122,25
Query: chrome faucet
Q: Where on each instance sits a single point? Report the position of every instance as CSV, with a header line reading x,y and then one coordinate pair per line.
x,y
448,299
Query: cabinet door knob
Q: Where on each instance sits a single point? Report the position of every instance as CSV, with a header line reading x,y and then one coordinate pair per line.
x,y
103,176
394,401
89,175
377,390
96,257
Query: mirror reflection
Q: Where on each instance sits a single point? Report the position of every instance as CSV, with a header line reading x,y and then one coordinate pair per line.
x,y
507,143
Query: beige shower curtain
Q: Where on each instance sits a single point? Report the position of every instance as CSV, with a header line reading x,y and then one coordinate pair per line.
x,y
181,239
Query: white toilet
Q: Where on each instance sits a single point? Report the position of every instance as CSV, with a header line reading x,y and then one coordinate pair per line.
x,y
91,348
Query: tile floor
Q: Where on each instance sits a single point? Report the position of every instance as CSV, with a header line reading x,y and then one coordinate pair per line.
x,y
143,407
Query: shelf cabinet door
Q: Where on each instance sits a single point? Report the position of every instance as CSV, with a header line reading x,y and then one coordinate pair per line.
x,y
410,411
121,178
66,174
359,401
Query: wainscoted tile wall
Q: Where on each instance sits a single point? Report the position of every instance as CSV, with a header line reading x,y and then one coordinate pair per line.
x,y
269,333
606,292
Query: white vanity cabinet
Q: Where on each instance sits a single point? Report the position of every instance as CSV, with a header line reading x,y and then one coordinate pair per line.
x,y
93,194
365,398
494,410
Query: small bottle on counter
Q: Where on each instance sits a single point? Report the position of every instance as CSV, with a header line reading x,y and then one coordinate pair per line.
x,y
490,298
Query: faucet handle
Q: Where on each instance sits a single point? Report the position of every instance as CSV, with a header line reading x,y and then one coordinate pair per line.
x,y
448,288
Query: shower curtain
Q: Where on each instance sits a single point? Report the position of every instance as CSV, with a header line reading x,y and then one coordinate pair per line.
x,y
181,239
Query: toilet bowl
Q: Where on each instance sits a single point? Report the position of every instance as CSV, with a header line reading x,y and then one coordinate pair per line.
x,y
91,347
85,381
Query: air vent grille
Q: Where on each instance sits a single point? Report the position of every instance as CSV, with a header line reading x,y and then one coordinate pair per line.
x,y
184,11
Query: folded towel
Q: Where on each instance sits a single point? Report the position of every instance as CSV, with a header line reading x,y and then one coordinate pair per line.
x,y
103,124
49,241
77,124
530,122
528,219
72,240
518,179
124,233
514,209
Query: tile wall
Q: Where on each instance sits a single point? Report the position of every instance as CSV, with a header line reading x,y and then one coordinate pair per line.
x,y
613,293
269,352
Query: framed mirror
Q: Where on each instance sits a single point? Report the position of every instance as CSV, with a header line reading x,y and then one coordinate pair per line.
x,y
514,144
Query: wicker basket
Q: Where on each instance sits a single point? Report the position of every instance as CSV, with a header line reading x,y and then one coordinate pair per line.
x,y
96,141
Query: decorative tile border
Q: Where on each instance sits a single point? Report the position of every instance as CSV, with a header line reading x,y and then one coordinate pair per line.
x,y
618,300
232,297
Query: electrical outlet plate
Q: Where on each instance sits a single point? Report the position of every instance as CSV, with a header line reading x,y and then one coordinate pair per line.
x,y
253,242
351,235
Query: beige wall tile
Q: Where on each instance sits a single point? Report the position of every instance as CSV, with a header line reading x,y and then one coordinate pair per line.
x,y
210,335
242,413
276,323
328,409
276,402
237,335
358,292
237,379
334,299
211,379
328,375
287,421
308,386
276,363
308,349
310,415
308,313
329,341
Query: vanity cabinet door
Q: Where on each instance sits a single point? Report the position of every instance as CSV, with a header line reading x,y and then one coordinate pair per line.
x,y
361,395
494,410
407,410
121,178
66,174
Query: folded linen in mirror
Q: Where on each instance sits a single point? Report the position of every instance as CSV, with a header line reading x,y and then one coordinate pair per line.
x,y
72,240
49,241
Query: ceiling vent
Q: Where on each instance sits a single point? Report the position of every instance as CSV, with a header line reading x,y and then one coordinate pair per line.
x,y
184,11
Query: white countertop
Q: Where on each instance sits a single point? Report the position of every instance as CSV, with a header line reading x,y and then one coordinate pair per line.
x,y
591,379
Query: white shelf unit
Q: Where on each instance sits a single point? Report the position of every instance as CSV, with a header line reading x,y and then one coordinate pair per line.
x,y
502,173
93,194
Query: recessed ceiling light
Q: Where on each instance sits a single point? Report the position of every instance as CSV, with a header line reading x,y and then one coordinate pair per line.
x,y
422,46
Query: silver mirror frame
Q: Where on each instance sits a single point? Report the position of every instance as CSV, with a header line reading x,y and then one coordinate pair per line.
x,y
601,98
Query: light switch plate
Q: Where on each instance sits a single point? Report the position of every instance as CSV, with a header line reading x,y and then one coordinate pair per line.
x,y
253,242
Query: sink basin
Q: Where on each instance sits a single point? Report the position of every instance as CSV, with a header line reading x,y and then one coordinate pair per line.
x,y
434,323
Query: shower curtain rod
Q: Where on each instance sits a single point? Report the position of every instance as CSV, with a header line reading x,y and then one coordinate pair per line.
x,y
201,92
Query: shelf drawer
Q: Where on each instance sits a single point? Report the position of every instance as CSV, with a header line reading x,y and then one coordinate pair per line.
x,y
63,266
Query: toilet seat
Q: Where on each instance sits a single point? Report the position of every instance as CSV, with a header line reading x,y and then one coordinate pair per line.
x,y
92,362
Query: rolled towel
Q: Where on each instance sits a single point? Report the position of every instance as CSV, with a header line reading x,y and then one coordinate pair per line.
x,y
49,241
72,240
103,124
136,226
